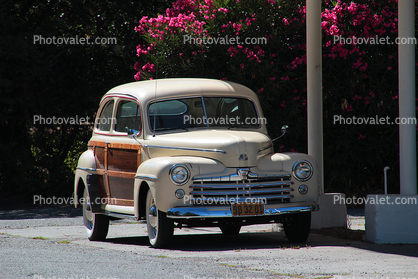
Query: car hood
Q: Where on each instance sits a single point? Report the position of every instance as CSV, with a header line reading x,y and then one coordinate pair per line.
x,y
232,148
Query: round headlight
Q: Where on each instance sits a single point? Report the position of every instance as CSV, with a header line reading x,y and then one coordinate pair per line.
x,y
302,170
179,174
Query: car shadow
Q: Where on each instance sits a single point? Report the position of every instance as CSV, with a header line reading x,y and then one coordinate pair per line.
x,y
201,240
31,212
216,242
263,240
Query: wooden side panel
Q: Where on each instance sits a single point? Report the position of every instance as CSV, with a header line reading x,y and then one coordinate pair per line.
x,y
116,165
103,190
99,154
122,160
121,188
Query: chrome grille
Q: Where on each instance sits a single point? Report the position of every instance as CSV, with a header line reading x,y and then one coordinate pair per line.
x,y
242,186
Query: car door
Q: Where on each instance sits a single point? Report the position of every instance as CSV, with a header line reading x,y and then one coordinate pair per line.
x,y
124,157
117,156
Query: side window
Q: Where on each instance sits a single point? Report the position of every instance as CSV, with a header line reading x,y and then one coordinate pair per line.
x,y
104,121
128,117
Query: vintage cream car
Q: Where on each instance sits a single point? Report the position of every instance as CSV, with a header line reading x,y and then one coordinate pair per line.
x,y
190,152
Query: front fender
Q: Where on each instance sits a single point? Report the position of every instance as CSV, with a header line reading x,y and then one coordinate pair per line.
x,y
86,173
284,162
155,172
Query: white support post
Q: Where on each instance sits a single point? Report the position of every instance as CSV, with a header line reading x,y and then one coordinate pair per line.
x,y
391,221
314,82
329,214
407,132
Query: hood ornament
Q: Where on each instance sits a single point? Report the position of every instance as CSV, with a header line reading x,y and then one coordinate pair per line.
x,y
243,157
243,173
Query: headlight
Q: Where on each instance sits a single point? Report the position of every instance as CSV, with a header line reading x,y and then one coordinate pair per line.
x,y
302,170
179,174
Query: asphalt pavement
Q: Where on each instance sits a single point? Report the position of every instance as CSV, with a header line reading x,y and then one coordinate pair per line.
x,y
51,243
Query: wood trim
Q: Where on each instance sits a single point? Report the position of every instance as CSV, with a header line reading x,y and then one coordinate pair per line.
x,y
122,174
106,176
94,143
116,201
101,171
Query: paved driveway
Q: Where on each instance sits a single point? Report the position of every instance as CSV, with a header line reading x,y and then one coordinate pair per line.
x,y
51,242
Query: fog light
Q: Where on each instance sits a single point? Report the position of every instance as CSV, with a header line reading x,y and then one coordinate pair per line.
x,y
303,189
179,193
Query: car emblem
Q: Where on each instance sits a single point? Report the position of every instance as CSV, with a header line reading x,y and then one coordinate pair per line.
x,y
243,157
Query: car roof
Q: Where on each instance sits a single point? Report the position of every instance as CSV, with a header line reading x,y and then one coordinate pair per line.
x,y
149,90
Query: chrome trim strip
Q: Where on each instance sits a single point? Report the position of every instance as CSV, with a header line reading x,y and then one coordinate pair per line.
x,y
146,177
86,169
119,209
187,148
242,185
227,200
251,177
225,211
233,192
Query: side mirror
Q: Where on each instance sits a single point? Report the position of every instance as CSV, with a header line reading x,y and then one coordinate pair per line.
x,y
284,130
132,133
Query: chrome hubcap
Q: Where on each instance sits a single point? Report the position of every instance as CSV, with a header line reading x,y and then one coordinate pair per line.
x,y
88,215
152,218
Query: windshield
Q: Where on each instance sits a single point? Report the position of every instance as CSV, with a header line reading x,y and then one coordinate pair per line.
x,y
185,113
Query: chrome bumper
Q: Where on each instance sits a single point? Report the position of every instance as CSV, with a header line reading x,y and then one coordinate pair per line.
x,y
190,212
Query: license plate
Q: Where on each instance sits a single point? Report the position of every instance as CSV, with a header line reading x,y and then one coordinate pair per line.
x,y
247,208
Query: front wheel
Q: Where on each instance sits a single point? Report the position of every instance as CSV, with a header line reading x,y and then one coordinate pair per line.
x,y
97,225
297,226
160,228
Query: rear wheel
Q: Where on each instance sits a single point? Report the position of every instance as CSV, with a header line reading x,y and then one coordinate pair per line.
x,y
297,226
159,227
230,229
97,225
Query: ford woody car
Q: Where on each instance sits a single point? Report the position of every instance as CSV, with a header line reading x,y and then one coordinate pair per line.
x,y
190,152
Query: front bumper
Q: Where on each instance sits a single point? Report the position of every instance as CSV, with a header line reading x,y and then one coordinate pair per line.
x,y
190,212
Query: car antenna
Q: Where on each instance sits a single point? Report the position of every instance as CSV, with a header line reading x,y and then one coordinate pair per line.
x,y
155,97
